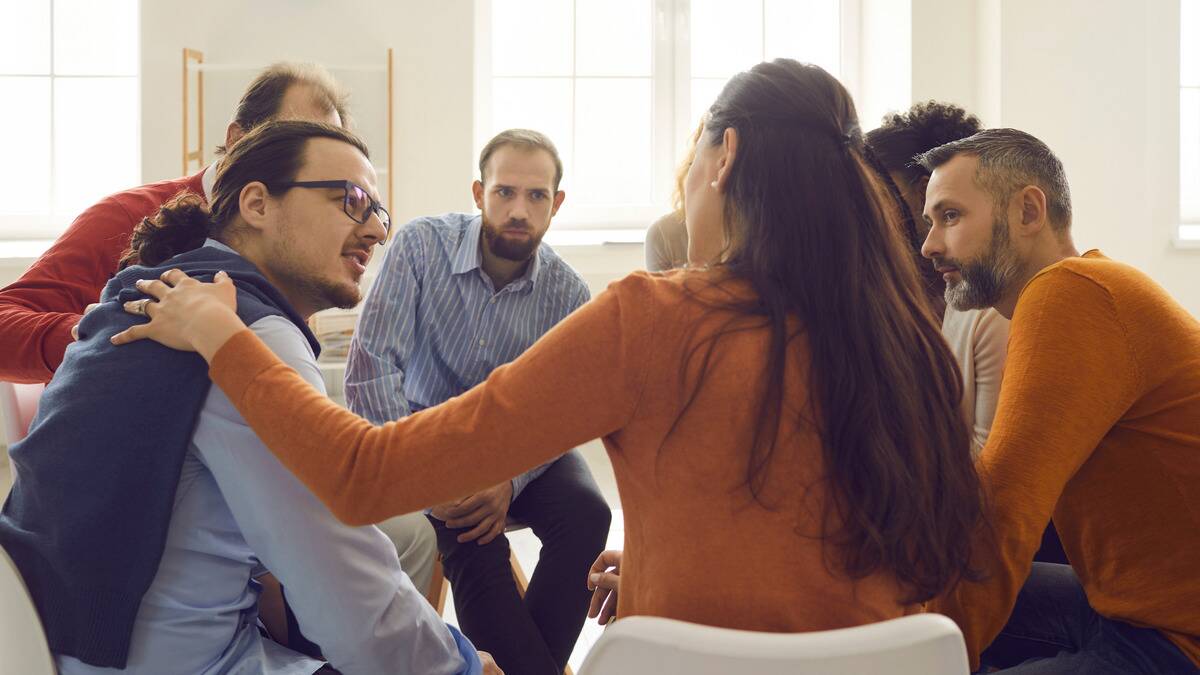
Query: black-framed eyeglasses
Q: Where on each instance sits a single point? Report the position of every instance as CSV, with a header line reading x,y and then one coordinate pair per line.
x,y
357,203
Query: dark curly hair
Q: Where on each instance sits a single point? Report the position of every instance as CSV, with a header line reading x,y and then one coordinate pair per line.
x,y
894,147
923,127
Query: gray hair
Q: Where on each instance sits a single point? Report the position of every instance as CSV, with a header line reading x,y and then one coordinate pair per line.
x,y
1008,161
526,139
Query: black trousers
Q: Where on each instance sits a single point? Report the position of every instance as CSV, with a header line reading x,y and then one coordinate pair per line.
x,y
534,635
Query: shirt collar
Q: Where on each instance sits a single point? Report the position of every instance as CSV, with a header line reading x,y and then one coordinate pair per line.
x,y
218,245
467,256
208,181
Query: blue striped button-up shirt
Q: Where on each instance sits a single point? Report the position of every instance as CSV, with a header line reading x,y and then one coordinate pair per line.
x,y
434,325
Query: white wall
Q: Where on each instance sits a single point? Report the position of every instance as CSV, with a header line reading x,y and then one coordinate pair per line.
x,y
1095,79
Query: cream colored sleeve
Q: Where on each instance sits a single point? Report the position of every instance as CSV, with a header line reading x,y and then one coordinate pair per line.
x,y
990,351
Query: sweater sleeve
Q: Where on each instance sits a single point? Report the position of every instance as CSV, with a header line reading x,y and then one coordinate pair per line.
x,y
581,381
990,350
38,310
1070,376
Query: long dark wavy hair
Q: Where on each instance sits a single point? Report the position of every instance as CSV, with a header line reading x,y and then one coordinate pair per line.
x,y
810,226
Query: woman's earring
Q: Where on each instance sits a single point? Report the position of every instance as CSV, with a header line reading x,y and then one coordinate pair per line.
x,y
714,184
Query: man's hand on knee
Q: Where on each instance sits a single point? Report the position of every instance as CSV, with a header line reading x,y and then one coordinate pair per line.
x,y
484,512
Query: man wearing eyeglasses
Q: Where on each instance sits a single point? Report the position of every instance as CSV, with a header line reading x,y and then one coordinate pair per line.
x,y
457,296
39,311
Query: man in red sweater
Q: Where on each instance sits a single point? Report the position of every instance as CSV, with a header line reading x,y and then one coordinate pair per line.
x,y
38,311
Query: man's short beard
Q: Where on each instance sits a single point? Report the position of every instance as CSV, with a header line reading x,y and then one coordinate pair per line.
x,y
321,292
506,249
985,279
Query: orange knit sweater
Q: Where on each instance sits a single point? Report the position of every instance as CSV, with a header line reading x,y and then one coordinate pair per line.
x,y
1099,424
697,545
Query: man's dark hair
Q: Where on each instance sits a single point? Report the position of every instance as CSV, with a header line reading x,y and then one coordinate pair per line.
x,y
272,154
904,135
264,96
1010,159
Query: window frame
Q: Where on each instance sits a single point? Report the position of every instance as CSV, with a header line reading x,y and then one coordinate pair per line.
x,y
49,225
670,79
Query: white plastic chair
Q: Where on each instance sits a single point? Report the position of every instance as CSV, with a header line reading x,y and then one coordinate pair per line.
x,y
921,644
18,404
23,649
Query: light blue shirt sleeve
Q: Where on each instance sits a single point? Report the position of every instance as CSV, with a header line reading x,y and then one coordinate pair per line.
x,y
383,340
344,584
519,483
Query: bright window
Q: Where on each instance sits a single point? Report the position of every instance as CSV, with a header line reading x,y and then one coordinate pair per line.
x,y
619,85
69,83
1189,120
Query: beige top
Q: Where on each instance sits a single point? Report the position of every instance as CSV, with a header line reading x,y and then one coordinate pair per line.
x,y
979,340
666,244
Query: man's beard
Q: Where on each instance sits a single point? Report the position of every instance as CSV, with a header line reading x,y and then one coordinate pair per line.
x,y
501,247
985,279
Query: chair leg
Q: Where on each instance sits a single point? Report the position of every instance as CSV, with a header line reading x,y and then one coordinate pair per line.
x,y
438,586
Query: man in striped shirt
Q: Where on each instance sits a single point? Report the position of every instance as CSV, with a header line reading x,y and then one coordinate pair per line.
x,y
459,295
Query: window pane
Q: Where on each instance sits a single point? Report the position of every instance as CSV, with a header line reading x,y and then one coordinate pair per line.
x,y
806,30
532,37
25,184
614,37
726,38
96,147
95,38
25,37
704,92
1189,154
612,141
1189,43
541,104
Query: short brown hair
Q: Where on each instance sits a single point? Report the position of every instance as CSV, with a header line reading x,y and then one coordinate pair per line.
x,y
265,94
526,139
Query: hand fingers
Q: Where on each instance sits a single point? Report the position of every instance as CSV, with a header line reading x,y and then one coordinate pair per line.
x,y
598,597
157,289
610,609
466,505
606,560
468,519
131,334
90,307
173,277
144,307
75,332
477,531
497,530
606,580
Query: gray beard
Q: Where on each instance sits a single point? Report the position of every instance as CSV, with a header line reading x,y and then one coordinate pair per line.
x,y
985,279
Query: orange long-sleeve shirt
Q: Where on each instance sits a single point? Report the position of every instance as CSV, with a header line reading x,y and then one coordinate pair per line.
x,y
697,545
1099,424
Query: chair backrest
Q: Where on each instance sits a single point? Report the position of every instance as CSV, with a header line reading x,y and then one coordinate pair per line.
x,y
18,405
921,644
23,649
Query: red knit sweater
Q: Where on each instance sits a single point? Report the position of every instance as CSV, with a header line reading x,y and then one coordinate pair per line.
x,y
38,310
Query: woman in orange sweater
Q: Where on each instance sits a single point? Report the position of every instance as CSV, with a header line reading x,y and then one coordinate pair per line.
x,y
783,425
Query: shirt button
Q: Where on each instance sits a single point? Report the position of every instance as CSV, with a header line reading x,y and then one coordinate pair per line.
x,y
493,300
482,342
